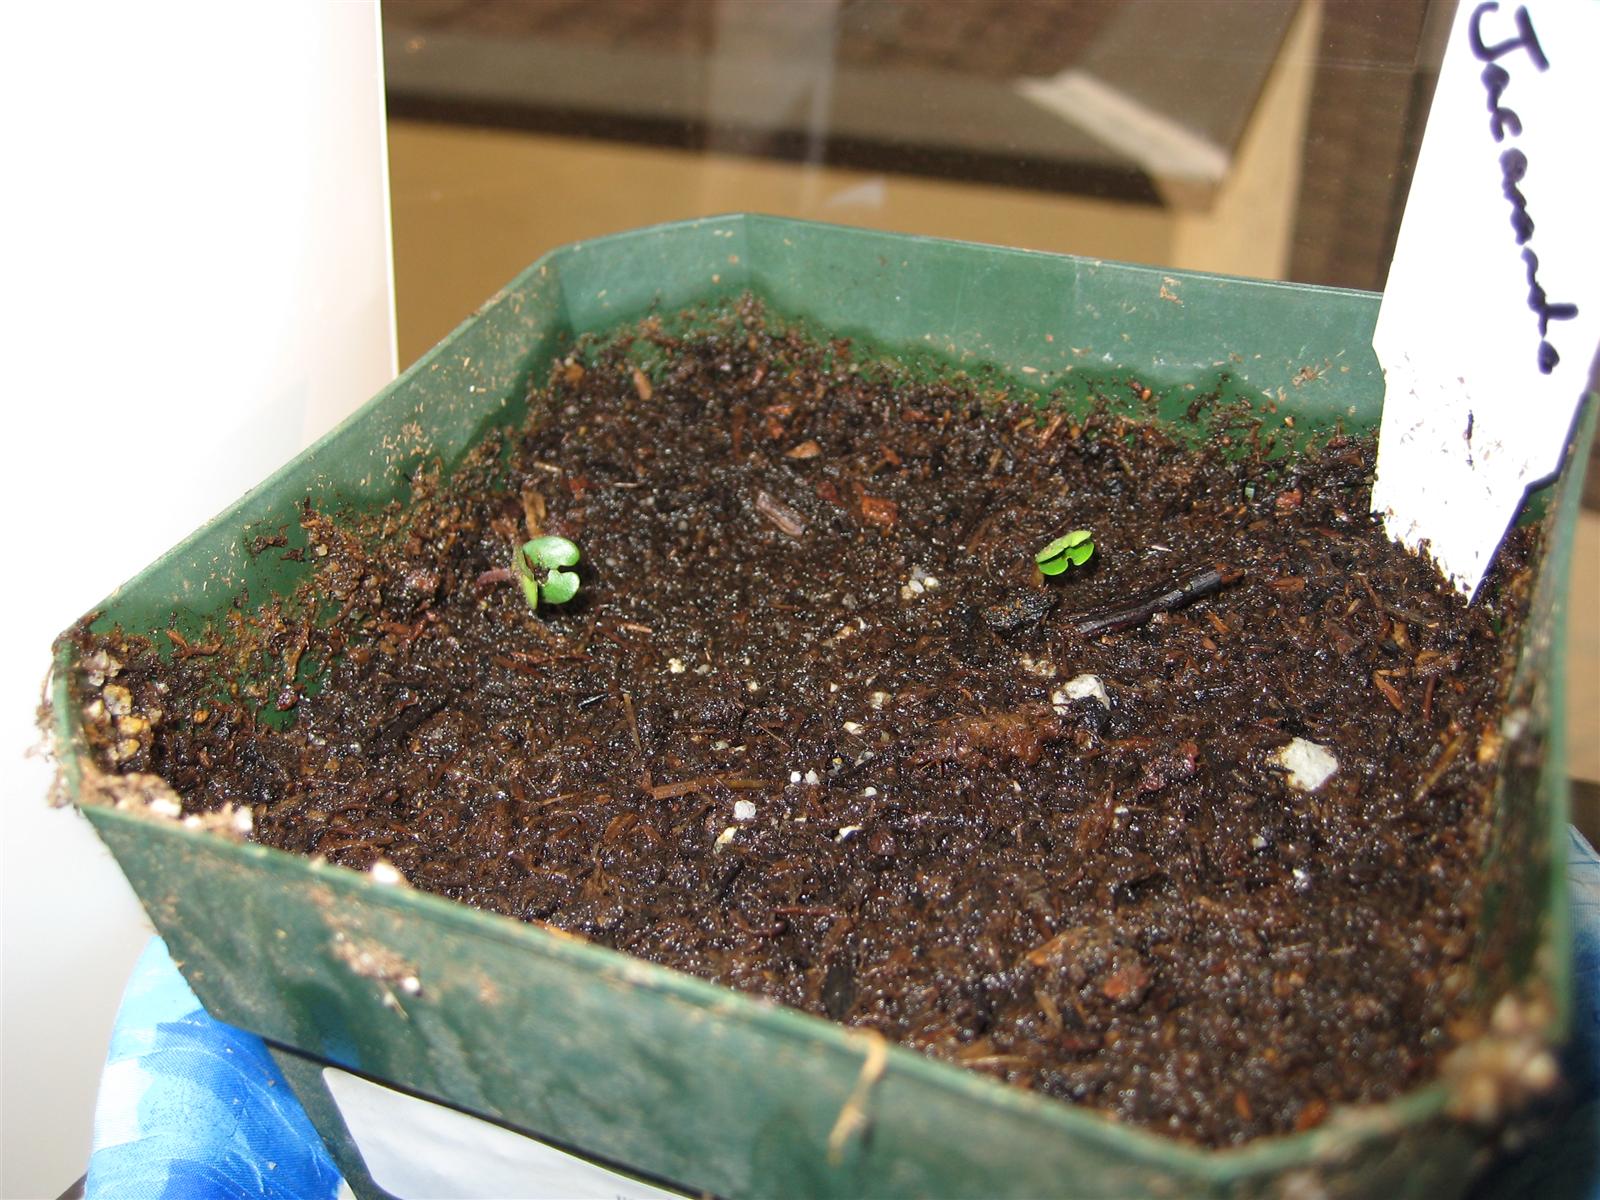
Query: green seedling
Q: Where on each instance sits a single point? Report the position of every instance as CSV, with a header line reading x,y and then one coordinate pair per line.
x,y
1070,550
537,566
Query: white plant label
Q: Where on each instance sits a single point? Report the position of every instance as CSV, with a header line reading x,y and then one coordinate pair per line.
x,y
1491,317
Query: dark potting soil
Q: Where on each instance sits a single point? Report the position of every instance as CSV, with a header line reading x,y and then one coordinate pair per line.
x,y
816,728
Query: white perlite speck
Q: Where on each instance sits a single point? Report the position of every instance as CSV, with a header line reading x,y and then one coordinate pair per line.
x,y
385,872
1309,764
675,665
1080,687
743,810
919,582
845,832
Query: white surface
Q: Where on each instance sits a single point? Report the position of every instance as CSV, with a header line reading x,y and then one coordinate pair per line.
x,y
197,283
423,1151
1470,420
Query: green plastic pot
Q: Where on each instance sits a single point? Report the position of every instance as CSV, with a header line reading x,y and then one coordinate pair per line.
x,y
676,1078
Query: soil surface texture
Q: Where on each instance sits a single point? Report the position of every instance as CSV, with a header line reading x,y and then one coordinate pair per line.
x,y
816,728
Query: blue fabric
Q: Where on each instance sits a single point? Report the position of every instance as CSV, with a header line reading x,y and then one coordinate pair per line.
x,y
1583,878
191,1109
1565,1163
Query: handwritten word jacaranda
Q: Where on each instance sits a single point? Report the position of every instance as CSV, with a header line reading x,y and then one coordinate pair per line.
x,y
1504,122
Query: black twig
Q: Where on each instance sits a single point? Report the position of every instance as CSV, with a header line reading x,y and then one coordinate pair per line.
x,y
1125,616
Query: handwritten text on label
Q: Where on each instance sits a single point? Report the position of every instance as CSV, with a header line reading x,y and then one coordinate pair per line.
x,y
1514,163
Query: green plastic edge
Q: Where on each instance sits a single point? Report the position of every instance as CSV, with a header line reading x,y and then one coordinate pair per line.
x,y
1223,1166
1265,1156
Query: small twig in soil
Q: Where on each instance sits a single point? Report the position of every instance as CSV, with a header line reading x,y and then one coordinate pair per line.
x,y
981,531
187,649
670,791
1451,753
531,663
1394,610
401,633
529,667
997,1060
633,724
534,510
780,516
693,817
611,635
348,608
561,799
763,729
293,653
1111,620
772,930
1390,692
588,633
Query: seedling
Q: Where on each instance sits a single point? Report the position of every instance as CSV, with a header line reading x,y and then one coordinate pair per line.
x,y
1070,550
537,566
